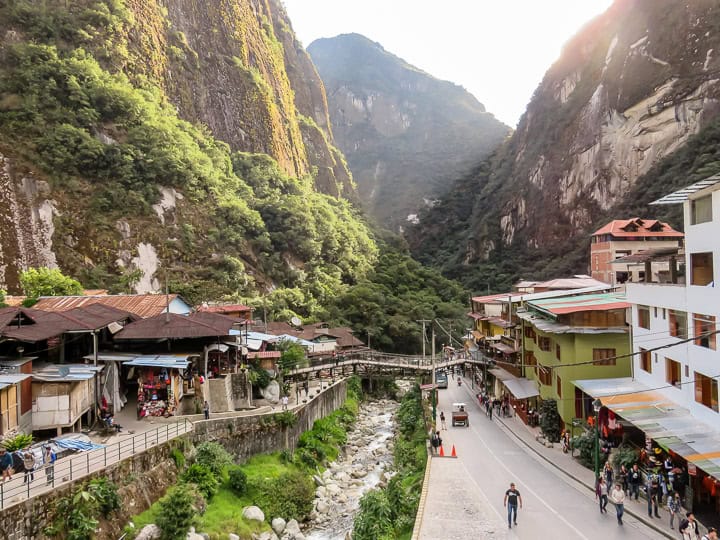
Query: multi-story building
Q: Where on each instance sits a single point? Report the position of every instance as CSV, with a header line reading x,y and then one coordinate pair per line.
x,y
623,237
574,337
673,393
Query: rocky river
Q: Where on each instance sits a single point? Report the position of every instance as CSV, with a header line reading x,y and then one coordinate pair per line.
x,y
364,463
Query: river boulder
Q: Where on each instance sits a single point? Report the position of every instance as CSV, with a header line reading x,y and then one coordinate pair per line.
x,y
253,513
149,532
278,525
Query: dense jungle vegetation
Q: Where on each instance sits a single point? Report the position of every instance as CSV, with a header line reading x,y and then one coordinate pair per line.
x,y
110,144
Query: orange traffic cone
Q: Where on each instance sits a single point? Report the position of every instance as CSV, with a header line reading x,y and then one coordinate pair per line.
x,y
442,452
453,454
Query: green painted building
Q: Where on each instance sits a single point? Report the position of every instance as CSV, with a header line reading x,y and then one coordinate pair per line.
x,y
572,338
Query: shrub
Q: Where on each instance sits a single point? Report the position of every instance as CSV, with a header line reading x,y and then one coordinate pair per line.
x,y
237,480
106,495
178,457
624,455
213,456
285,418
374,521
585,443
176,512
289,495
18,442
203,477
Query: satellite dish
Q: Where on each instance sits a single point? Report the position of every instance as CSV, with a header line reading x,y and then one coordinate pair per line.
x,y
295,321
63,371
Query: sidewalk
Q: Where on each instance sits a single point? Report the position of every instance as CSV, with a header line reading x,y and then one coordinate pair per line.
x,y
573,469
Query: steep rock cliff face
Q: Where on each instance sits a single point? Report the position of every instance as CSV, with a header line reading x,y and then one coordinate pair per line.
x,y
405,134
629,90
123,131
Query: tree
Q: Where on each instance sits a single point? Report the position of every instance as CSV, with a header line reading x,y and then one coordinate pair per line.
x,y
44,281
293,354
550,420
2,299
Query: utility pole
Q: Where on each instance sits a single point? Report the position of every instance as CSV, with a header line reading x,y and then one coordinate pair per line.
x,y
432,367
423,322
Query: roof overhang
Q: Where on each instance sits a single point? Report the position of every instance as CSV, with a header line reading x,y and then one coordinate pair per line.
x,y
686,193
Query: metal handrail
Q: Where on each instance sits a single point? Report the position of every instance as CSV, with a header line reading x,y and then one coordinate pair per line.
x,y
47,477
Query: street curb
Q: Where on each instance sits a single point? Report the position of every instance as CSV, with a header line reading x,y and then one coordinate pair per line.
x,y
589,487
423,498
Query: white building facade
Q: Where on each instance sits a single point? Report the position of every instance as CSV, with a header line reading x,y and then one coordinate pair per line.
x,y
684,317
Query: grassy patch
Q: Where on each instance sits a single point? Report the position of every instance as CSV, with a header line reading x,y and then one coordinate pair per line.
x,y
224,516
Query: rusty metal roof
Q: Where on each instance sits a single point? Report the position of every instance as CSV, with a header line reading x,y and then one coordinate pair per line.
x,y
174,326
142,305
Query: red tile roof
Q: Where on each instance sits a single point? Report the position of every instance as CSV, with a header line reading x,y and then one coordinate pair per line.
x,y
645,227
142,305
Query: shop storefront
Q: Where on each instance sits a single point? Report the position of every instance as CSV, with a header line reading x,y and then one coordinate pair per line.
x,y
161,383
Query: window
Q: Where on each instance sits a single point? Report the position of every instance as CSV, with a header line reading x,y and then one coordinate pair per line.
x,y
544,375
672,372
530,332
701,268
558,386
678,324
530,361
643,316
603,357
544,343
645,361
704,326
706,391
655,312
701,210
557,351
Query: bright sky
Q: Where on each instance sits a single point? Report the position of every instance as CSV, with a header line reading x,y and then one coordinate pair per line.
x,y
498,50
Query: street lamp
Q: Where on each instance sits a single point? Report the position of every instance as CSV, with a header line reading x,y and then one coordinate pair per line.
x,y
597,405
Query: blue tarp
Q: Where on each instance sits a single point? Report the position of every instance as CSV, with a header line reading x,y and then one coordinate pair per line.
x,y
74,444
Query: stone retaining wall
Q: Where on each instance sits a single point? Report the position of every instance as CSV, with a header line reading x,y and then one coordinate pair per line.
x,y
144,478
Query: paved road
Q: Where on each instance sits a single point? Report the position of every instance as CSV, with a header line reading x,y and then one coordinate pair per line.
x,y
488,460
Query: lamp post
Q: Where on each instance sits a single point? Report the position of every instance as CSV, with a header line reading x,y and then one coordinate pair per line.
x,y
597,405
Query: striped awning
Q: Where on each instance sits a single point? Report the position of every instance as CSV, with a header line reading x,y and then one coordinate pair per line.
x,y
672,426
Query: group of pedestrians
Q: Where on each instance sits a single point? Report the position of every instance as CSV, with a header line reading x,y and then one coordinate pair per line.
x,y
29,464
494,404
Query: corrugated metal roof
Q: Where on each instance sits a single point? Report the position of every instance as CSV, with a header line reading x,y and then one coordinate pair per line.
x,y
64,372
552,327
579,303
684,194
170,361
174,326
225,308
661,418
142,305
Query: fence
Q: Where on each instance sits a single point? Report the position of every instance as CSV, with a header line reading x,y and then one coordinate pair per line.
x,y
77,466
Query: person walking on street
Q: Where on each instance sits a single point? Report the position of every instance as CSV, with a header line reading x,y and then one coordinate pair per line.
x,y
29,464
285,403
617,496
652,489
443,424
609,474
601,493
206,410
674,505
622,477
711,534
634,479
689,528
511,500
6,463
49,459
435,442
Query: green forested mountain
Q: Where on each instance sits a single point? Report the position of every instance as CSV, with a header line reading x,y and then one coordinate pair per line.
x,y
144,141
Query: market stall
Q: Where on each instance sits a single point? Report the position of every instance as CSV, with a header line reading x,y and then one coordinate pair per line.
x,y
159,382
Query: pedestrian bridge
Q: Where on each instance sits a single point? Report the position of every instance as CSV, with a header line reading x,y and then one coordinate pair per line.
x,y
373,363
